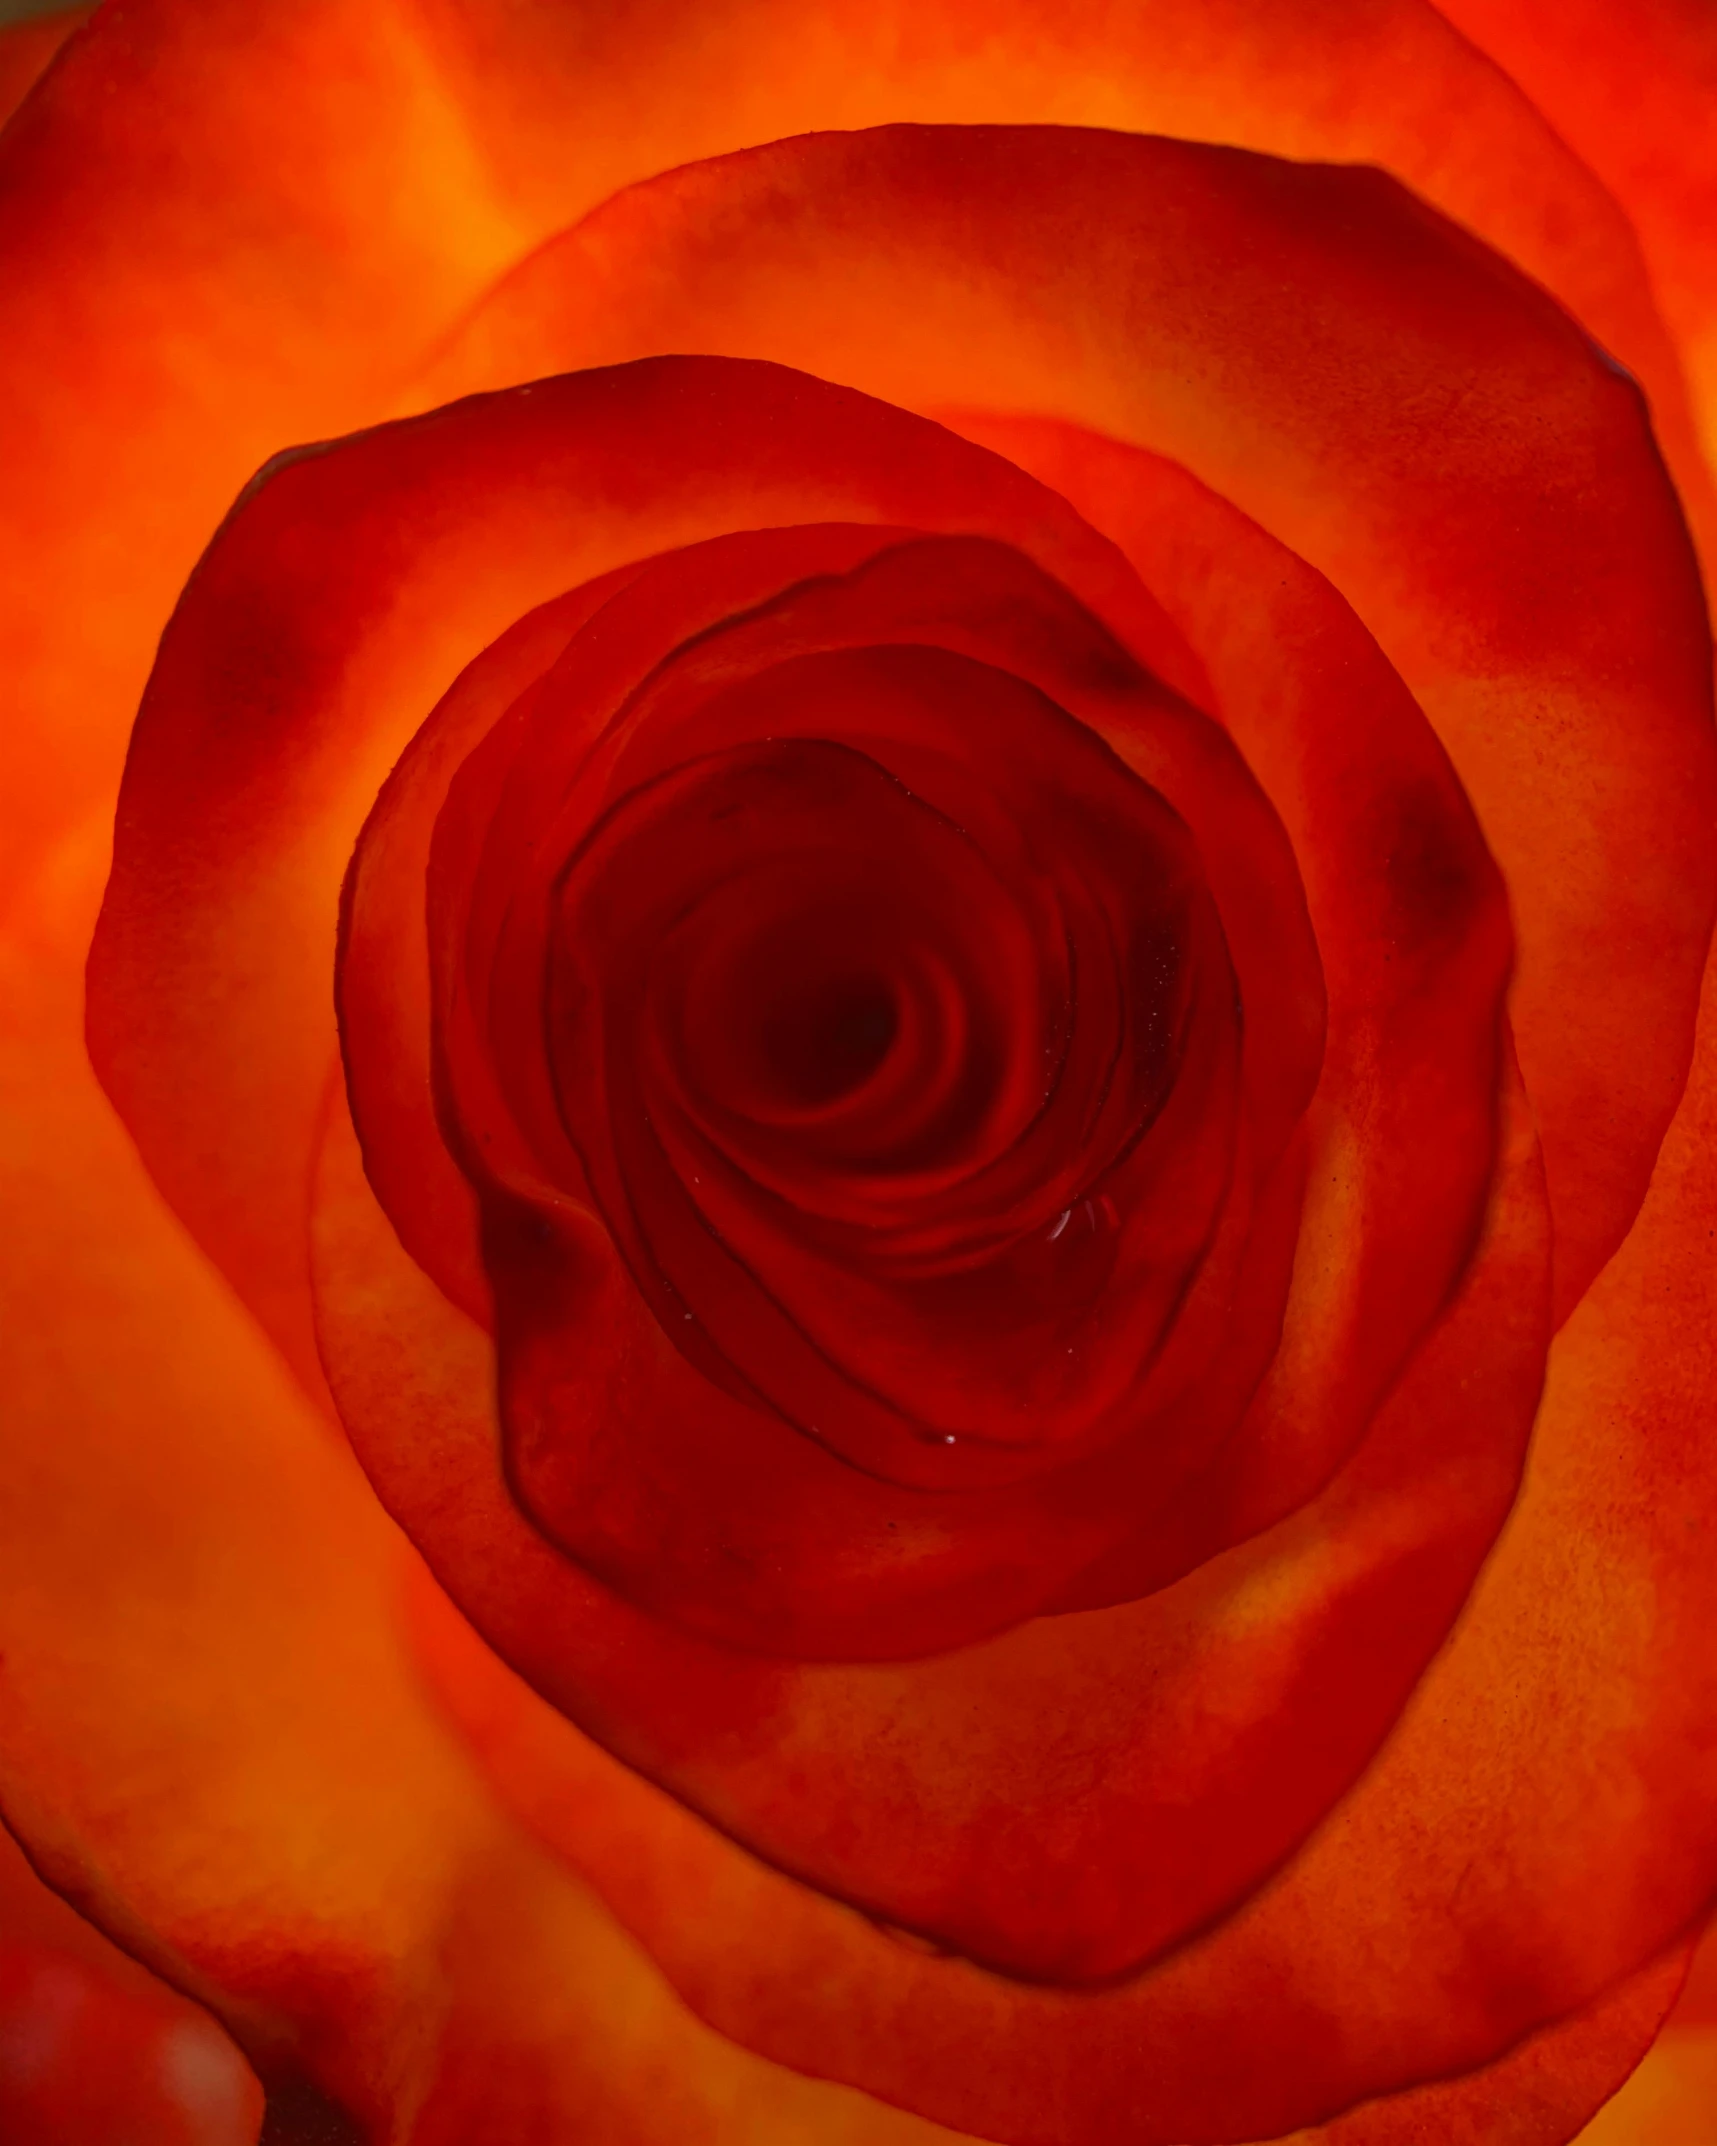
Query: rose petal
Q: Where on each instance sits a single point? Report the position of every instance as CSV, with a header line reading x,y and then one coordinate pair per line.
x,y
1538,2091
209,253
1669,2100
1633,98
1388,84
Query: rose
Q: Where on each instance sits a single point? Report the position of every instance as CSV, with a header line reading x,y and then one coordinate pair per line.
x,y
1320,1255
195,966
493,1710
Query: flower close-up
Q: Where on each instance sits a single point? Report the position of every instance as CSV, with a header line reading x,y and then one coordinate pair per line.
x,y
858,1144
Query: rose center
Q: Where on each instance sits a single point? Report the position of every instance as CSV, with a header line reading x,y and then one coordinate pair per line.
x,y
821,1037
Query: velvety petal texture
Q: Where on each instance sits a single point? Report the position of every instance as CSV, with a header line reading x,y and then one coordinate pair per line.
x,y
1633,100
859,1293
1668,2101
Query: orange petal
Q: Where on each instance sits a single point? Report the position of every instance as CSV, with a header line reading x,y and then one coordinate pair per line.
x,y
1632,93
209,253
1697,2004
1389,85
1671,2100
1540,2090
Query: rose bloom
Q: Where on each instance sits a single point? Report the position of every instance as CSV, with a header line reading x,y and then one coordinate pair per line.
x,y
858,1154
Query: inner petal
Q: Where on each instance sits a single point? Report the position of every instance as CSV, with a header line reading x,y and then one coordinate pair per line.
x,y
820,1037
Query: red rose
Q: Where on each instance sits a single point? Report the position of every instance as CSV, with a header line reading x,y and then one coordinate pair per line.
x,y
928,937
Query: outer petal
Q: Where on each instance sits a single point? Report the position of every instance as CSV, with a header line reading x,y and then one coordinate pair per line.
x,y
1413,420
1539,2091
1632,93
1535,2094
1671,2100
1383,82
228,227
206,203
